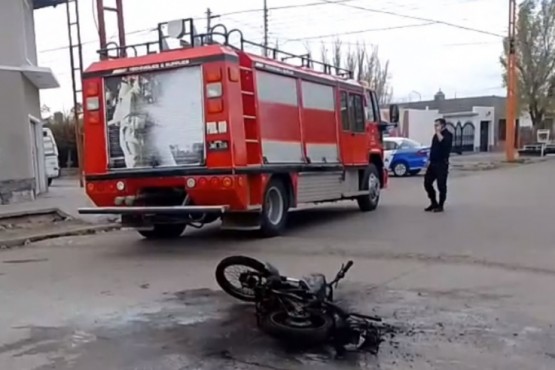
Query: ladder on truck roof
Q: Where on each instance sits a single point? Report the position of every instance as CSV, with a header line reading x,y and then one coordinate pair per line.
x,y
217,35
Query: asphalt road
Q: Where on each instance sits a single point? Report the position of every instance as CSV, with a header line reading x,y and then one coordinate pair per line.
x,y
472,288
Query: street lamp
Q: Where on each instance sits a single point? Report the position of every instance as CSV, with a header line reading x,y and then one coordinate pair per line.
x,y
417,93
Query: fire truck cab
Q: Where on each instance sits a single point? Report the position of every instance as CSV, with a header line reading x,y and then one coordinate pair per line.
x,y
184,137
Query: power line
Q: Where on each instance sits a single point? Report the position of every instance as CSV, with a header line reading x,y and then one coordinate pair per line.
x,y
306,5
388,12
246,11
361,31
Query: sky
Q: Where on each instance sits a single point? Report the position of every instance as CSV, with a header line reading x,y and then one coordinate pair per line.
x,y
425,51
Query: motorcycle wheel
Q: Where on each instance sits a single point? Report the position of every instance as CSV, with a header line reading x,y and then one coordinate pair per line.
x,y
243,294
277,325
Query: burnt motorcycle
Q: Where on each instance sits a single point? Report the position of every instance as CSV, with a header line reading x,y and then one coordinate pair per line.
x,y
299,310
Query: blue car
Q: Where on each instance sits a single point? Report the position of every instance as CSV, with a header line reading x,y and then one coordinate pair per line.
x,y
404,157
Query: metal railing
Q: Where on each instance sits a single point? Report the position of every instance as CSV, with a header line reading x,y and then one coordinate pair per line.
x,y
217,35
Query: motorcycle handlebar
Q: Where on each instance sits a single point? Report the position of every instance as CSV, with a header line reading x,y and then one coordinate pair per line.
x,y
347,267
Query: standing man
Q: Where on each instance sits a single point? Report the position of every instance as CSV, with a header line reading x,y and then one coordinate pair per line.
x,y
438,167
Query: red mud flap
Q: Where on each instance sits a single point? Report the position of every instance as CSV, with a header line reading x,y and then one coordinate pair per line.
x,y
385,178
166,211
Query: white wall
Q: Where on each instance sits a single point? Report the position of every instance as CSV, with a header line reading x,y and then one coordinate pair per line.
x,y
484,114
418,124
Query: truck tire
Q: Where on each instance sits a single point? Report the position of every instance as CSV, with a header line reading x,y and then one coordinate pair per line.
x,y
370,181
273,217
164,231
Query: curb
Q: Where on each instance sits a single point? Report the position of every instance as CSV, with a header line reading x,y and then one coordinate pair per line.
x,y
485,166
79,230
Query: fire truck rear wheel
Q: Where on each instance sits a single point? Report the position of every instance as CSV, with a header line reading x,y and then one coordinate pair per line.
x,y
370,181
164,231
273,217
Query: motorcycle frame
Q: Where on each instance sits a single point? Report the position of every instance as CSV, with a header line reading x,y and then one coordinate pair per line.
x,y
293,291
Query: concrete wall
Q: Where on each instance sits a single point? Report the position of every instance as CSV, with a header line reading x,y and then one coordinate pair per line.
x,y
484,114
16,20
420,125
15,138
19,98
415,124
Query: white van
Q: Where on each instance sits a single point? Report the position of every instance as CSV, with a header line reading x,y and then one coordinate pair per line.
x,y
51,155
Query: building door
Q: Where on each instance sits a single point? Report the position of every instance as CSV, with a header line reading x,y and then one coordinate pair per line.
x,y
484,136
37,155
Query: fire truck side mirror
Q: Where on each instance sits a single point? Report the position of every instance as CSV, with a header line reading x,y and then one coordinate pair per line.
x,y
394,113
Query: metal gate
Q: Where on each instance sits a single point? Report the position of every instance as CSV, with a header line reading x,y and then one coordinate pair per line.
x,y
463,136
456,131
467,140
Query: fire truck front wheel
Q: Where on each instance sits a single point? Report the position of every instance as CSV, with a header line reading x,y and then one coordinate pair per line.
x,y
273,217
163,231
370,180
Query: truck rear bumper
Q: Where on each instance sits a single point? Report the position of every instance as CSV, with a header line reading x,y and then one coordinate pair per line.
x,y
166,211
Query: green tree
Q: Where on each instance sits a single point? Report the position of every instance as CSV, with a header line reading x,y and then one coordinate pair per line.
x,y
63,128
535,47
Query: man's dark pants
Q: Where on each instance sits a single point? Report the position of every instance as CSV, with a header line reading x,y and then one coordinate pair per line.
x,y
436,172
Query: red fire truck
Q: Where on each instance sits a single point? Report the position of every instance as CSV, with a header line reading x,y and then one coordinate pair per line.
x,y
206,131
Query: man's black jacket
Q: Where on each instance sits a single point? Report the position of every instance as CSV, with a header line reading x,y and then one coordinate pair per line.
x,y
440,150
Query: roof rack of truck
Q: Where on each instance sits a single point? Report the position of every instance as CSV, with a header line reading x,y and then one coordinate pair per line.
x,y
184,30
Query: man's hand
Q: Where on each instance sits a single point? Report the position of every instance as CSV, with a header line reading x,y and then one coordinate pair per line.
x,y
438,133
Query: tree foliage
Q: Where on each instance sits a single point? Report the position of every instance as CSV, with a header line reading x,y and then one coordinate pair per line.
x,y
63,126
535,54
365,63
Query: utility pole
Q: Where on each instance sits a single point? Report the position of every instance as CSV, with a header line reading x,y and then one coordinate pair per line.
x,y
512,78
265,28
209,17
208,20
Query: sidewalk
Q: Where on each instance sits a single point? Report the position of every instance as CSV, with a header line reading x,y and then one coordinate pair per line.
x,y
488,161
65,195
53,214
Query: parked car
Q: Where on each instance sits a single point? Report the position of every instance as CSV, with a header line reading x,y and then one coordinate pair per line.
x,y
50,155
405,156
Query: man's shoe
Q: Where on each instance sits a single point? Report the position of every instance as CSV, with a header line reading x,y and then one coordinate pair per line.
x,y
431,208
438,209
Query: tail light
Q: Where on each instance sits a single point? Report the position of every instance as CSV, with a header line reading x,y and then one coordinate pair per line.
x,y
214,90
422,153
93,103
92,95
